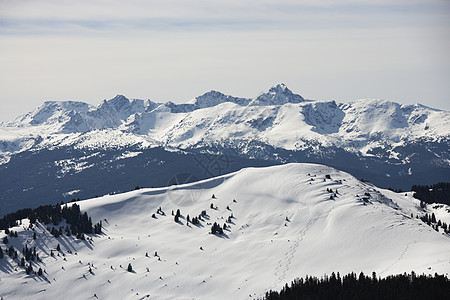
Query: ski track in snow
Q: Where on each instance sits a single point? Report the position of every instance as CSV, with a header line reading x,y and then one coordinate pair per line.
x,y
400,257
285,262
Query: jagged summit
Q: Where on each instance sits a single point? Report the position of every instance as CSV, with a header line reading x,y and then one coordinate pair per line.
x,y
213,98
50,110
277,95
119,102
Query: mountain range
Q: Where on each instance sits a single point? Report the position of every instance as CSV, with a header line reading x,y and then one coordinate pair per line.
x,y
51,153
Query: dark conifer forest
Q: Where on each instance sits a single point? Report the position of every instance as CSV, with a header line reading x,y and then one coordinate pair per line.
x,y
361,287
53,214
436,193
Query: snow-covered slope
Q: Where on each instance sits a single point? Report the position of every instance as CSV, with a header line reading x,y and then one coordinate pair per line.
x,y
285,224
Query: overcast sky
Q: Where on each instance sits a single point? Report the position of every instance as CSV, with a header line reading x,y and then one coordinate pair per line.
x,y
344,50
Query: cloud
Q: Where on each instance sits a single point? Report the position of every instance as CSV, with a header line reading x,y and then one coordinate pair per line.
x,y
47,17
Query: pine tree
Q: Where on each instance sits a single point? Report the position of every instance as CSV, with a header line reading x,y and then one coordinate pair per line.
x,y
216,229
58,248
1,253
129,268
29,269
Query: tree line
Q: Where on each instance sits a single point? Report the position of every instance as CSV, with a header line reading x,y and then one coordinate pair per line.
x,y
53,214
351,286
435,193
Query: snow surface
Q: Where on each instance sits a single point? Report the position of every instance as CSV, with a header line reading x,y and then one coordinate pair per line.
x,y
285,226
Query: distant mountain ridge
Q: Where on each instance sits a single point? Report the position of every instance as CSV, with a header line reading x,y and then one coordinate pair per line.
x,y
388,143
278,118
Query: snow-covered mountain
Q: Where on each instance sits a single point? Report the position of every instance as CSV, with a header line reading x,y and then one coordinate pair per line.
x,y
288,221
278,118
385,142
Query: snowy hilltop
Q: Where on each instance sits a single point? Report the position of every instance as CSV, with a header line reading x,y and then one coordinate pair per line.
x,y
232,236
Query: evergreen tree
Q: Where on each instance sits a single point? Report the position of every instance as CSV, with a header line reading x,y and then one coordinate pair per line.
x,y
216,229
29,269
129,268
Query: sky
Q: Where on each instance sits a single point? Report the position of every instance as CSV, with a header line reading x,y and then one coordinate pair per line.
x,y
90,50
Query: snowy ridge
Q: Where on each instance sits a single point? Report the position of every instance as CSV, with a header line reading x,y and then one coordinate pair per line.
x,y
286,223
